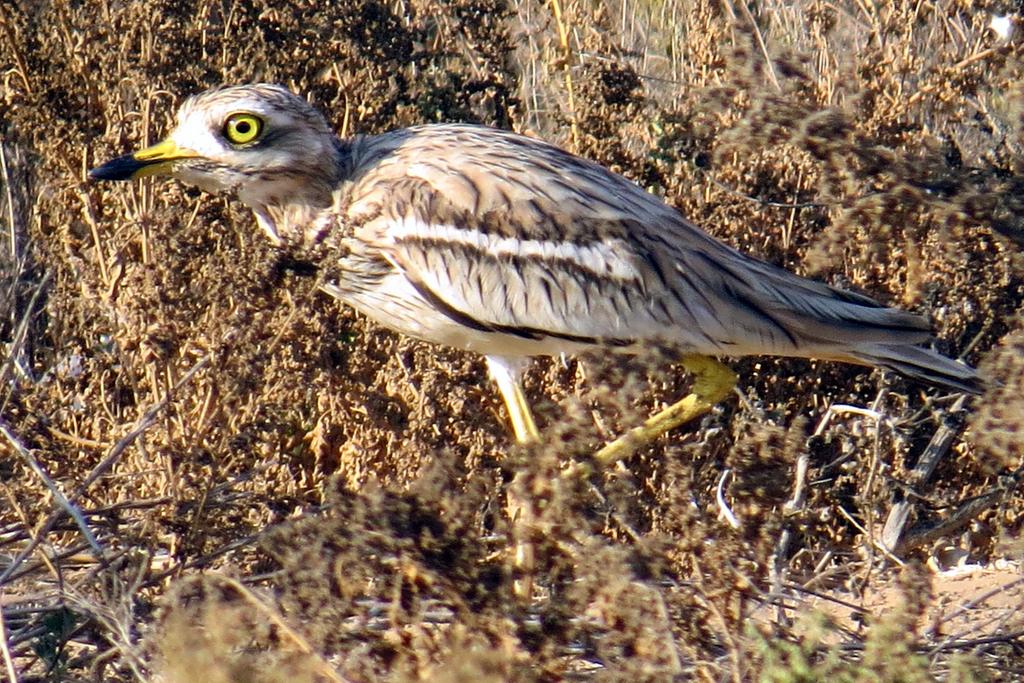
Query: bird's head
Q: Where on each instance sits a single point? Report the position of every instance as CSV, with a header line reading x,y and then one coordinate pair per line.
x,y
269,146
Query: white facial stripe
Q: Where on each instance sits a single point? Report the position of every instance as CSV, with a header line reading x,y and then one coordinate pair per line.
x,y
197,138
601,258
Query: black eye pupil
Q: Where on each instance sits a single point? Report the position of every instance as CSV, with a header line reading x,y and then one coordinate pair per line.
x,y
243,127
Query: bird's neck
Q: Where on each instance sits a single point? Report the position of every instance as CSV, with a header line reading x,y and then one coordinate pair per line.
x,y
290,206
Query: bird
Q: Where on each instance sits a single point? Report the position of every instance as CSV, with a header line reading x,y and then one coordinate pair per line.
x,y
497,243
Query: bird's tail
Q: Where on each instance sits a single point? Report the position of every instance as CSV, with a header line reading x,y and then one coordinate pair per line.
x,y
919,363
829,323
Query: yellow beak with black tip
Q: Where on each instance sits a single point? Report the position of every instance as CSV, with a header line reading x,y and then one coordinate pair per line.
x,y
153,160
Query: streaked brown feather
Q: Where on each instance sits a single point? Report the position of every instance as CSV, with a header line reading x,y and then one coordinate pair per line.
x,y
491,241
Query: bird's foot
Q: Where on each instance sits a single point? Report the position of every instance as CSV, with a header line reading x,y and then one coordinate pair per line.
x,y
711,384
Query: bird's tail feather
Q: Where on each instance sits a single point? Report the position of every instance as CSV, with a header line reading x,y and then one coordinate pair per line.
x,y
921,364
860,330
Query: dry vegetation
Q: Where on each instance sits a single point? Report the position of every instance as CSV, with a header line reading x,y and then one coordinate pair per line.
x,y
277,489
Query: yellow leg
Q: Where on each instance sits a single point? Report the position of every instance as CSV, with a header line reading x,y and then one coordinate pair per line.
x,y
505,373
712,382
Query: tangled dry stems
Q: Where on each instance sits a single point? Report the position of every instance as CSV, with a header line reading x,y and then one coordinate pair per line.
x,y
282,490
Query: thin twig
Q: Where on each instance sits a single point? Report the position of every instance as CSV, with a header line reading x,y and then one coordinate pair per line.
x,y
141,426
959,645
11,575
792,506
828,598
925,534
872,541
14,44
975,642
323,667
563,39
55,491
14,348
8,189
761,44
144,423
984,597
723,506
12,675
942,440
995,621
758,200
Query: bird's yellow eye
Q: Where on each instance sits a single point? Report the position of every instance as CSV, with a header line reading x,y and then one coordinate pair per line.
x,y
240,129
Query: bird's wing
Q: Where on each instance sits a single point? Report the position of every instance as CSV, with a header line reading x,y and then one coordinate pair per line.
x,y
507,233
